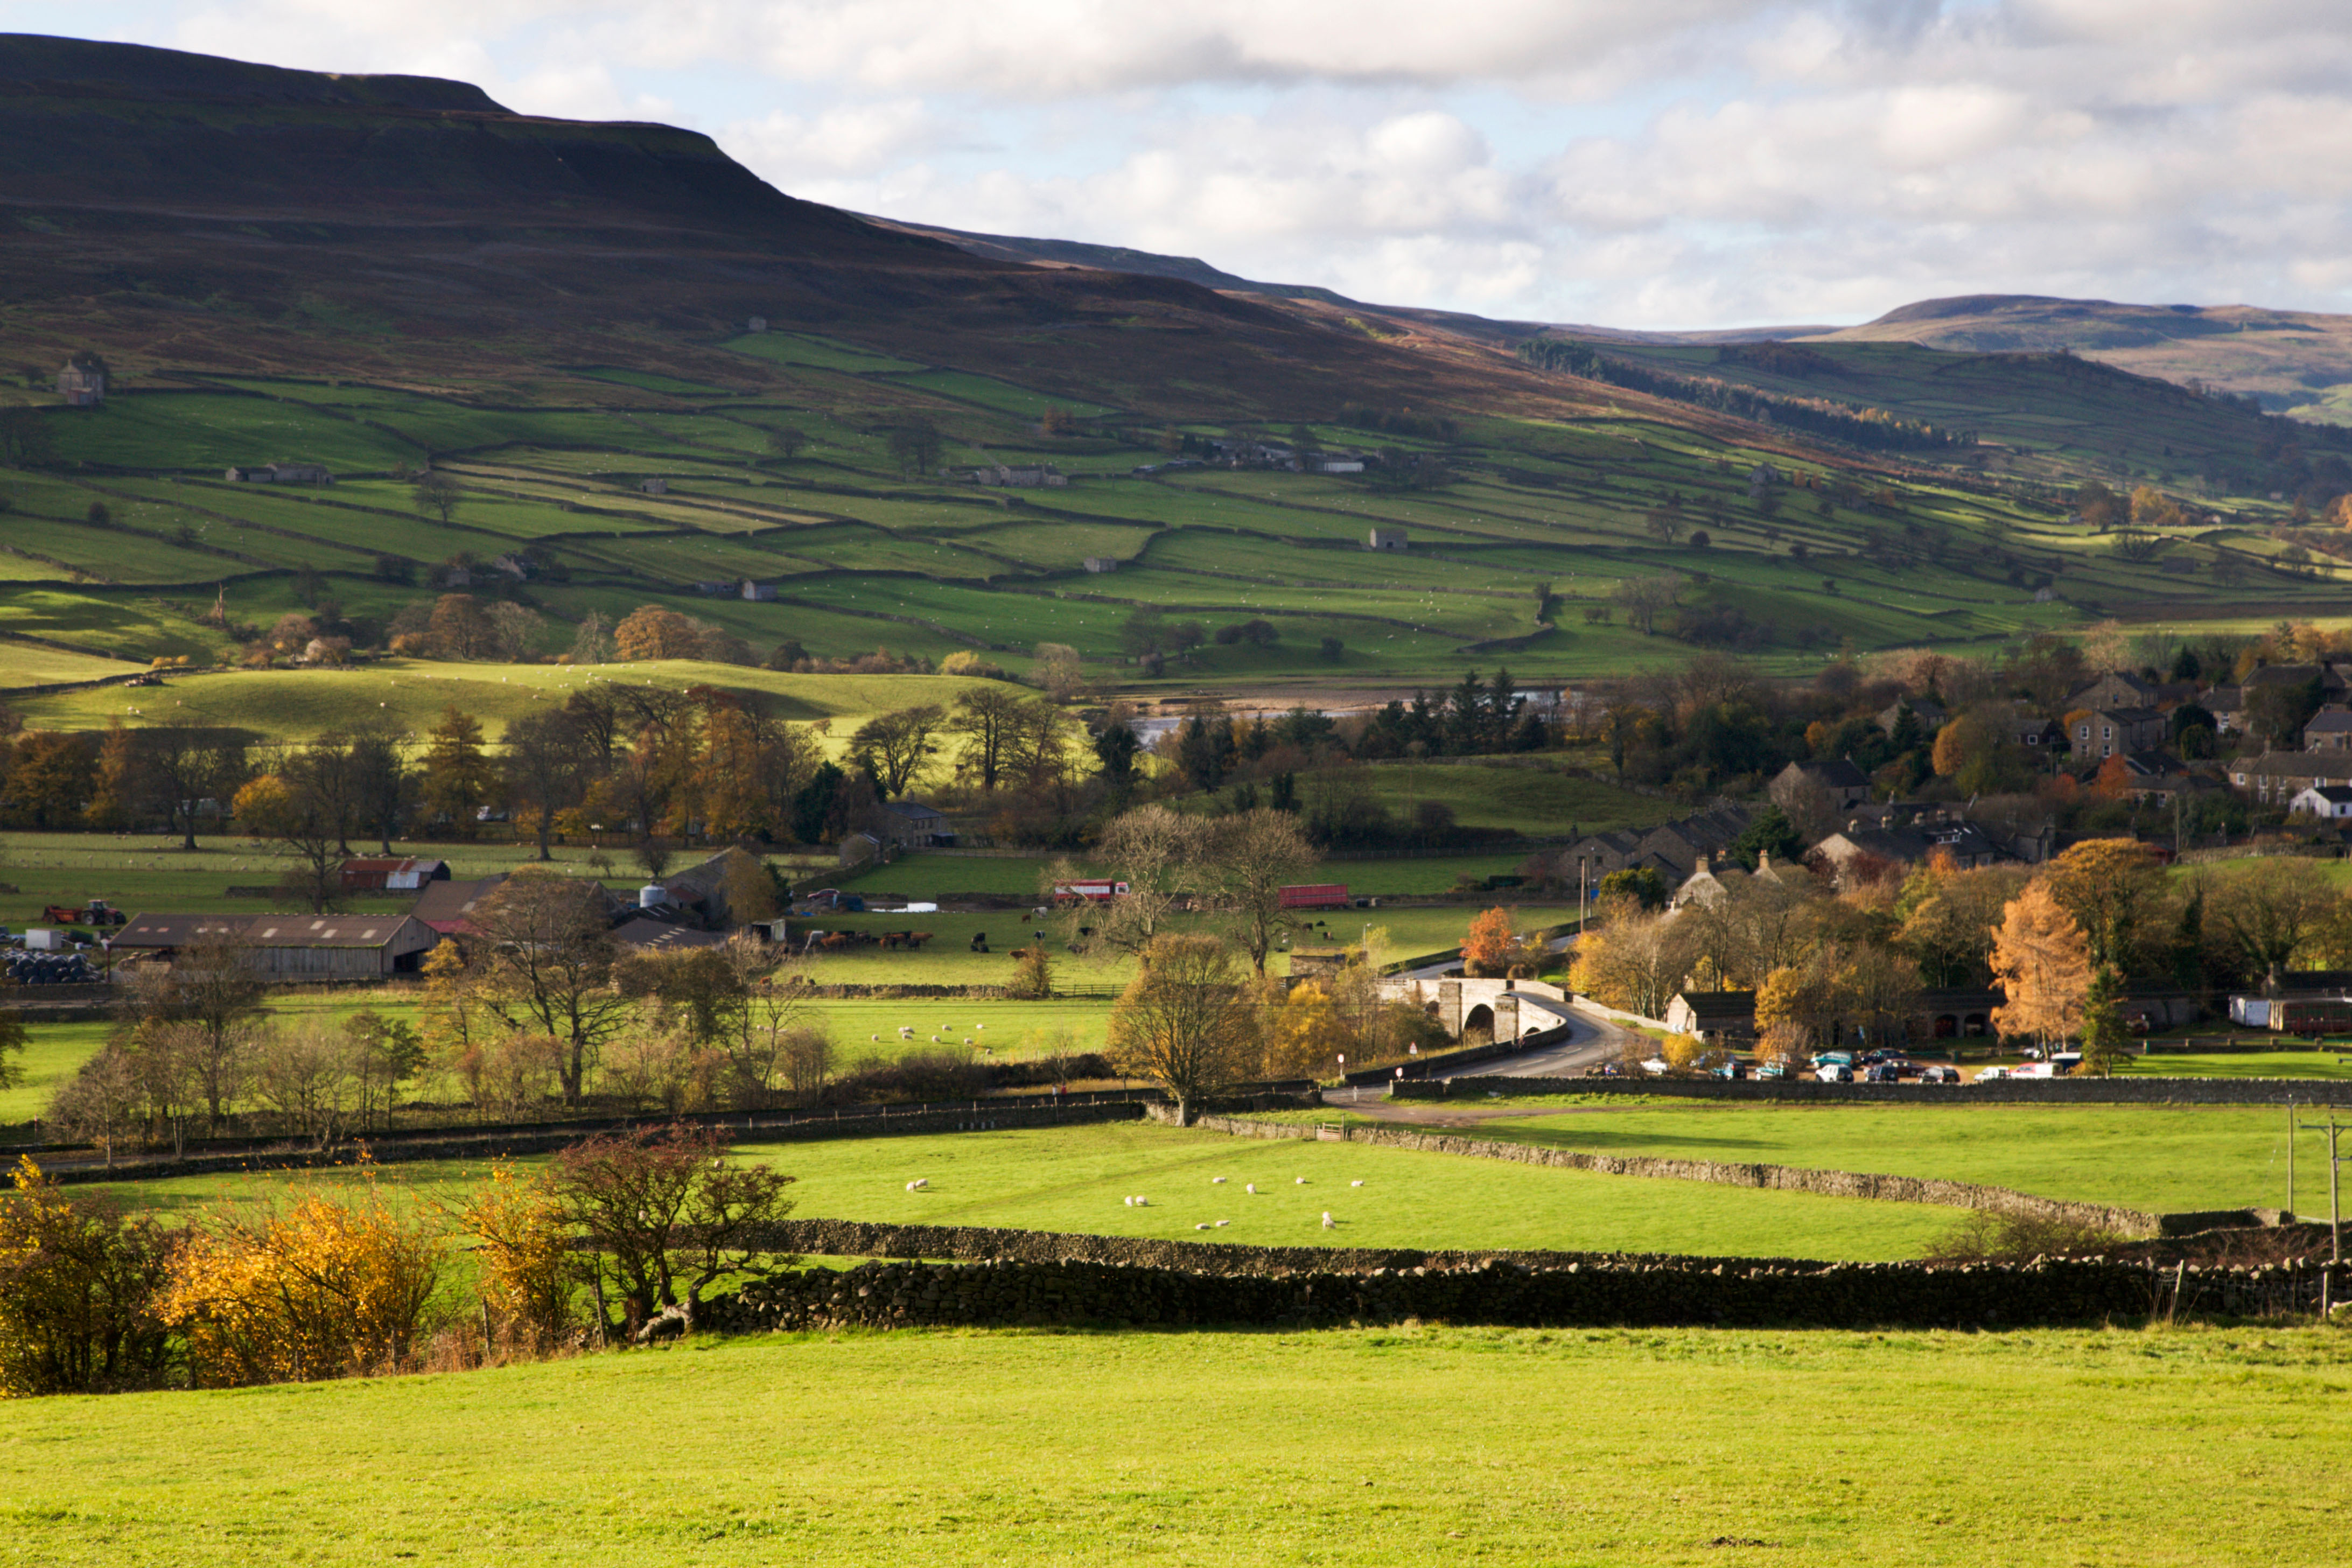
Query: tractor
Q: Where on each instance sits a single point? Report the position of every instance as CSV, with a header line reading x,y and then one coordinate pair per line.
x,y
99,913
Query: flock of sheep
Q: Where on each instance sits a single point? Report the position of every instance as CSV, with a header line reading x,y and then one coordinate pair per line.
x,y
906,1032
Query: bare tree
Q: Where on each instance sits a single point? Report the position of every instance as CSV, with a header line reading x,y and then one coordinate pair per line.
x,y
1158,853
546,964
1186,1022
179,764
2271,911
437,495
211,985
1252,855
382,784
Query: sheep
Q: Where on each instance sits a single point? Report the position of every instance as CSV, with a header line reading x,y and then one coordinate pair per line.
x,y
1328,1223
1143,1202
1302,1181
919,1184
1356,1183
1128,1202
875,1038
935,1039
1223,1223
1203,1226
1250,1188
1216,1181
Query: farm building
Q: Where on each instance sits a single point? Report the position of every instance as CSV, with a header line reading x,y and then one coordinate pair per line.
x,y
1385,539
647,933
1845,784
82,381
1719,1017
445,904
758,593
700,892
294,947
912,825
655,486
1100,563
396,874
1031,476
756,324
282,474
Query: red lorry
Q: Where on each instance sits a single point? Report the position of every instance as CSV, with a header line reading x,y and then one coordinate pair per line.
x,y
1315,896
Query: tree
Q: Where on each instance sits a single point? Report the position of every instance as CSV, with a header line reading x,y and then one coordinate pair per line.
x,y
915,447
1252,855
1159,853
2272,910
1949,917
382,784
1642,887
2105,1038
546,961
50,780
591,643
663,1209
548,766
1185,1022
2109,886
1491,945
460,630
654,631
175,766
296,805
1115,748
1059,670
2042,963
985,717
895,748
1647,598
457,774
1636,961
1770,832
12,1040
212,985
437,495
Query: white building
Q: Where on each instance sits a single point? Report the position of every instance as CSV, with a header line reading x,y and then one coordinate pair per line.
x,y
2328,803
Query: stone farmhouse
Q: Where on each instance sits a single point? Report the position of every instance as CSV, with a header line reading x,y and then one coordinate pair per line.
x,y
282,474
82,381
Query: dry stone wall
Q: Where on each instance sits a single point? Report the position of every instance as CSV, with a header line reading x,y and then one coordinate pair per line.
x,y
2151,1091
1009,1292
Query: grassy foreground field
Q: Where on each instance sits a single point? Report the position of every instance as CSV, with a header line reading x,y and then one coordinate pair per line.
x,y
2157,1157
1371,1447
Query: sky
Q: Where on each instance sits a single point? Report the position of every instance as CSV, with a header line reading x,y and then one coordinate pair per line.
x,y
1656,164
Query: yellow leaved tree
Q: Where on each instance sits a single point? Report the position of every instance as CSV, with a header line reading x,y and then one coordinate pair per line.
x,y
2043,966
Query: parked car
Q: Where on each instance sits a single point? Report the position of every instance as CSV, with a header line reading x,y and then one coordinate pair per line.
x,y
1834,1072
1939,1075
1881,1072
1774,1070
1989,1074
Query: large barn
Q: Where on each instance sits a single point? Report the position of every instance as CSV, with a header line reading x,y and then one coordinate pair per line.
x,y
293,947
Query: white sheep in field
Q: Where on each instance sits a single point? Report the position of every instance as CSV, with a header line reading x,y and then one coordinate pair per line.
x,y
967,1039
1203,1226
1302,1181
1216,1181
875,1038
1223,1223
1143,1202
1250,1188
1128,1202
935,1039
919,1184
1328,1223
1356,1183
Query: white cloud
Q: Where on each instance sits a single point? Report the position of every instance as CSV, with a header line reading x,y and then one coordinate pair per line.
x,y
1674,161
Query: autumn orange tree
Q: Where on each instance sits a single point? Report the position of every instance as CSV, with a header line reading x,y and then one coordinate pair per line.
x,y
2110,887
1491,944
2042,964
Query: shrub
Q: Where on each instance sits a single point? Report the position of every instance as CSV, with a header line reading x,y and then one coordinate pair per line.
x,y
321,1289
1032,975
963,661
529,1273
1986,1236
79,1281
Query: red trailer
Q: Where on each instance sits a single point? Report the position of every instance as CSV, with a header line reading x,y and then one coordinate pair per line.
x,y
1315,896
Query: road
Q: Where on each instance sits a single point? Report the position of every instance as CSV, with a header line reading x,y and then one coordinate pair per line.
x,y
1591,1041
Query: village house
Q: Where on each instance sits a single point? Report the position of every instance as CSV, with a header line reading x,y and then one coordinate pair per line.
x,y
2327,802
1925,712
2119,689
1969,845
912,825
2112,732
2330,730
1844,785
2275,778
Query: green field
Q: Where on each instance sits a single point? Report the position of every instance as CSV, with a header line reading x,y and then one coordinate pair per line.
x,y
2155,1157
1945,559
1076,1179
1371,1447
295,704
